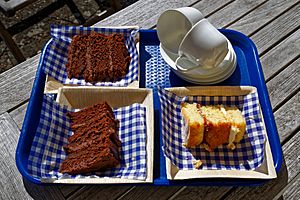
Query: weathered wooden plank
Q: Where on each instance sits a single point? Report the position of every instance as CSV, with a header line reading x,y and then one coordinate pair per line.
x,y
99,192
18,114
261,16
233,12
284,84
201,193
289,189
151,192
278,29
67,190
10,178
16,84
281,55
43,192
209,7
292,191
289,169
287,117
143,13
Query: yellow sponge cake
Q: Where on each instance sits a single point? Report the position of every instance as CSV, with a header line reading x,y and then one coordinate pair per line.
x,y
194,124
238,122
212,125
217,127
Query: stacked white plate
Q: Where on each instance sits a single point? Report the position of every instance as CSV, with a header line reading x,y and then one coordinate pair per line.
x,y
205,76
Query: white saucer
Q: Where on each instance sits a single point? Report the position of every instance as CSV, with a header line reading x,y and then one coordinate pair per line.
x,y
219,74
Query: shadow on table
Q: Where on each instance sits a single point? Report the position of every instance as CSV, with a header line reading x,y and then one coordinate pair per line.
x,y
267,191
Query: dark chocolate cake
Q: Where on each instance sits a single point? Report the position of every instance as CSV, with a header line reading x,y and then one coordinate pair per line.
x,y
94,146
98,57
77,56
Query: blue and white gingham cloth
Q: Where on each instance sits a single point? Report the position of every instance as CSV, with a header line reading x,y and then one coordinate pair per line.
x,y
249,152
47,153
55,54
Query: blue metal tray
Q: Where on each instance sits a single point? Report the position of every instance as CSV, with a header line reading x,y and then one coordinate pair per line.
x,y
248,72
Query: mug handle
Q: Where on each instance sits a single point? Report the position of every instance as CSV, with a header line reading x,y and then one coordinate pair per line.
x,y
183,57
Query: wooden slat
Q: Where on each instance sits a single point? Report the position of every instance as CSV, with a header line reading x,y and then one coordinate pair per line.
x,y
292,190
277,30
291,167
43,192
16,84
143,13
208,7
261,16
11,183
201,193
68,190
99,192
18,114
284,84
285,117
10,179
276,59
233,12
151,192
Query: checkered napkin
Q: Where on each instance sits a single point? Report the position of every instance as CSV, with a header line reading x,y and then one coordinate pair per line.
x,y
52,134
249,153
55,55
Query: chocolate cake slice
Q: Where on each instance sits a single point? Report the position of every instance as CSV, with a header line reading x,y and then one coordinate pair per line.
x,y
119,55
95,158
95,144
89,113
107,58
77,56
92,138
98,58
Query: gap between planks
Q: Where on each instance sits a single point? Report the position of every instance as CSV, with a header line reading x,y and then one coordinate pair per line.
x,y
274,18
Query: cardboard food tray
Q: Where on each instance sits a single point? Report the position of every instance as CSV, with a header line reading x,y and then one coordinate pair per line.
x,y
265,171
116,97
248,72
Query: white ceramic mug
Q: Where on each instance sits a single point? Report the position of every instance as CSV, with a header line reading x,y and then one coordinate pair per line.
x,y
173,24
202,47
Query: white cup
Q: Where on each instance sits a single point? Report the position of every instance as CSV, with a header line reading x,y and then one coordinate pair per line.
x,y
203,47
173,24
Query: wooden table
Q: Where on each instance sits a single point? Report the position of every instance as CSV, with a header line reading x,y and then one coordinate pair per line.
x,y
273,25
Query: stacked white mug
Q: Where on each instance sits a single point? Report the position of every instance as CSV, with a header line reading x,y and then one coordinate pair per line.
x,y
196,51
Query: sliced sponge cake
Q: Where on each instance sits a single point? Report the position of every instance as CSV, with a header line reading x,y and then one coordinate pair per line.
x,y
217,127
194,124
238,124
212,125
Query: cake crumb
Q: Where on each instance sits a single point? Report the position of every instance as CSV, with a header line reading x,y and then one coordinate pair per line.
x,y
197,164
231,146
206,147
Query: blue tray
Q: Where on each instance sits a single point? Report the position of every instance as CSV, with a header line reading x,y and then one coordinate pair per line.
x,y
248,72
